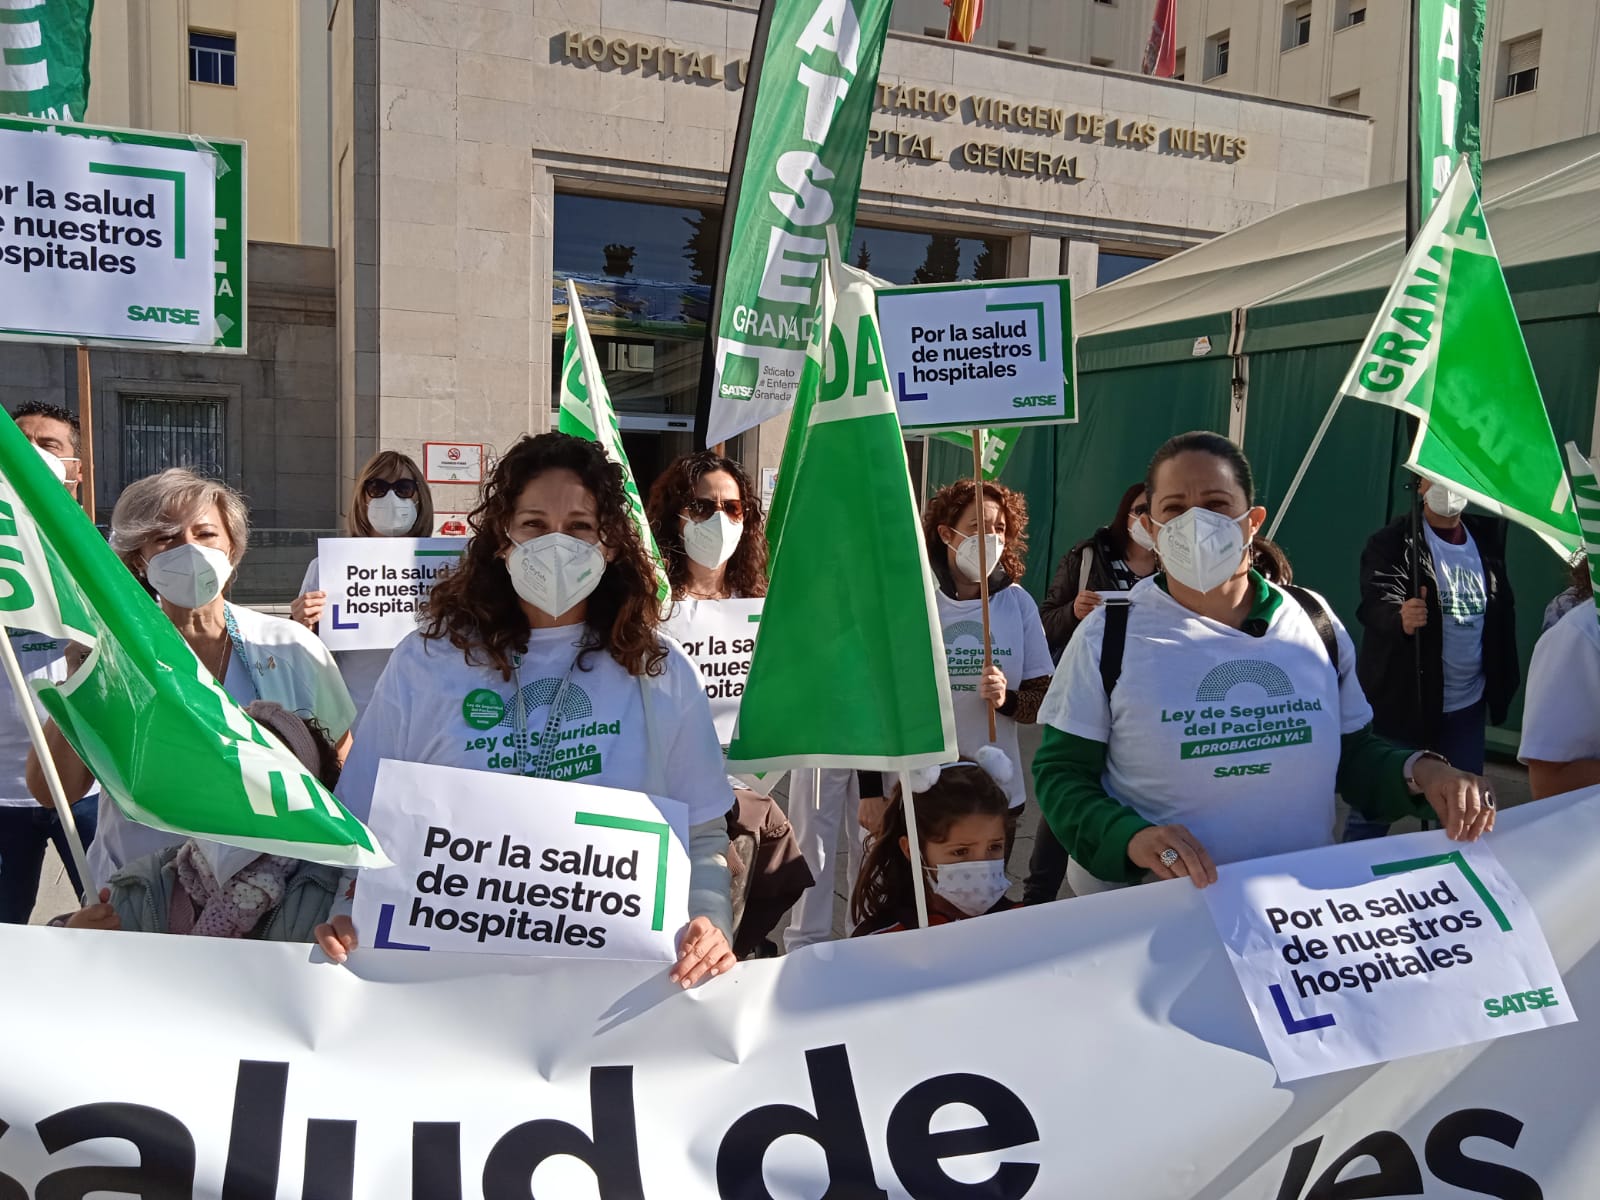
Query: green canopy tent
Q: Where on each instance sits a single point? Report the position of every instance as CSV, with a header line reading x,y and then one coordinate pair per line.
x,y
1251,333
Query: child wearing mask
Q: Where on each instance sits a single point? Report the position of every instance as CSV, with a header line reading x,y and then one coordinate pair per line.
x,y
964,822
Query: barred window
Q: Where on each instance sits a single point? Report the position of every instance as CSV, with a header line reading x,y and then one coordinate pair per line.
x,y
159,432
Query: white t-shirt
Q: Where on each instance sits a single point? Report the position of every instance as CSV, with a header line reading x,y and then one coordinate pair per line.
x,y
1561,716
1463,599
360,668
1019,649
40,657
1234,736
432,706
285,663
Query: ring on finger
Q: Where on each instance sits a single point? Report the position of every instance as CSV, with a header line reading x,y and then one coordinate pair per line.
x,y
1169,857
1487,797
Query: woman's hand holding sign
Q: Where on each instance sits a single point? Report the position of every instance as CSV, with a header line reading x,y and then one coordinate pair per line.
x,y
1464,803
703,951
1170,852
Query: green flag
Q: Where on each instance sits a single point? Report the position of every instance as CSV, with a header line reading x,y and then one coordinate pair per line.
x,y
44,58
586,412
1449,60
1586,497
796,176
165,741
997,447
849,667
1446,348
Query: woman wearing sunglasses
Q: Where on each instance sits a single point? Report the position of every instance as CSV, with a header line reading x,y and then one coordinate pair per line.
x,y
707,522
390,500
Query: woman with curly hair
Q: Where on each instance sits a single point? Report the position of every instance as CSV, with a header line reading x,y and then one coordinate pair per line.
x,y
539,655
1019,673
707,521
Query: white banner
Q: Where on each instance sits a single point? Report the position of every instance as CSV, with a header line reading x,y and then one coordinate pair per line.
x,y
101,240
377,585
720,637
1356,955
500,864
980,355
1094,1048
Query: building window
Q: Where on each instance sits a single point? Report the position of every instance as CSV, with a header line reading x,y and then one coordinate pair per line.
x,y
1005,45
1296,24
1099,62
1349,101
903,257
935,31
1349,12
1180,65
211,58
1521,59
160,432
1036,51
1111,266
1217,54
1107,3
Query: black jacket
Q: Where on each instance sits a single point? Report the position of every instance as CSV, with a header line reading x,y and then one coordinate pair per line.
x,y
1387,662
1056,612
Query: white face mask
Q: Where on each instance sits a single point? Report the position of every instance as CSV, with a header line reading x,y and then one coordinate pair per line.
x,y
1444,501
973,887
57,467
190,575
713,541
967,555
554,572
1201,549
391,516
1139,534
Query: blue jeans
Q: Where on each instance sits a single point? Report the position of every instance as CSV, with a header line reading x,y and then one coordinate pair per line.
x,y
1461,740
23,833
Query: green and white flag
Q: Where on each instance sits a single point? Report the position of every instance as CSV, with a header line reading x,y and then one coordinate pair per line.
x,y
1446,348
586,412
1586,496
1449,61
44,58
165,741
849,666
796,172
997,447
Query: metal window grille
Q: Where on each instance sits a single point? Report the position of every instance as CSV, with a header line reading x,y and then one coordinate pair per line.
x,y
212,58
158,433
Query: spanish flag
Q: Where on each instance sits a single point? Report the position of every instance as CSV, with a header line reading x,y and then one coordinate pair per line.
x,y
965,17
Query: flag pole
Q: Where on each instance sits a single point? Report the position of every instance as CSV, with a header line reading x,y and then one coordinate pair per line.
x,y
919,889
1414,186
47,764
85,436
981,500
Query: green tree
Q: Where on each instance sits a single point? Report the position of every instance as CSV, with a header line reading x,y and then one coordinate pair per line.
x,y
942,264
705,232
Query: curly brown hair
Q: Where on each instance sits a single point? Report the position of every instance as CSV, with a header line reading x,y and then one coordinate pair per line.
x,y
945,507
477,609
747,569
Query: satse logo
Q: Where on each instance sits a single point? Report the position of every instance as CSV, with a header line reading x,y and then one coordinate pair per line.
x,y
163,315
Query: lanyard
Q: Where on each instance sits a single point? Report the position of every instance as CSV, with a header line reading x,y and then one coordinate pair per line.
x,y
238,650
550,739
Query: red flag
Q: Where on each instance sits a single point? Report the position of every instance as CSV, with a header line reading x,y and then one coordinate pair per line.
x,y
1161,51
965,17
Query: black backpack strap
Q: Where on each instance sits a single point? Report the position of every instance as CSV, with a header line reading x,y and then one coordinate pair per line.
x,y
1318,613
1112,645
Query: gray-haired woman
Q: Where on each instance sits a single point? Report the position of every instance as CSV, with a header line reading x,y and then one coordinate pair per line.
x,y
183,535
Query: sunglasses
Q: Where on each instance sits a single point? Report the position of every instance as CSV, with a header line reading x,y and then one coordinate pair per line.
x,y
376,489
699,509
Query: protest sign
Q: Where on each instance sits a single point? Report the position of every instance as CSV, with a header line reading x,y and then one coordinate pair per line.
x,y
980,355
114,237
719,636
1358,954
906,1065
376,586
503,864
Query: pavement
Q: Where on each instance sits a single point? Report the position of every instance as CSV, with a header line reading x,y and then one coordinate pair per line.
x,y
1510,784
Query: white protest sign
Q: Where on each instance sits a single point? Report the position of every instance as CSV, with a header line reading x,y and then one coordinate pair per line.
x,y
105,240
376,586
1359,954
895,1067
719,636
980,355
503,864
